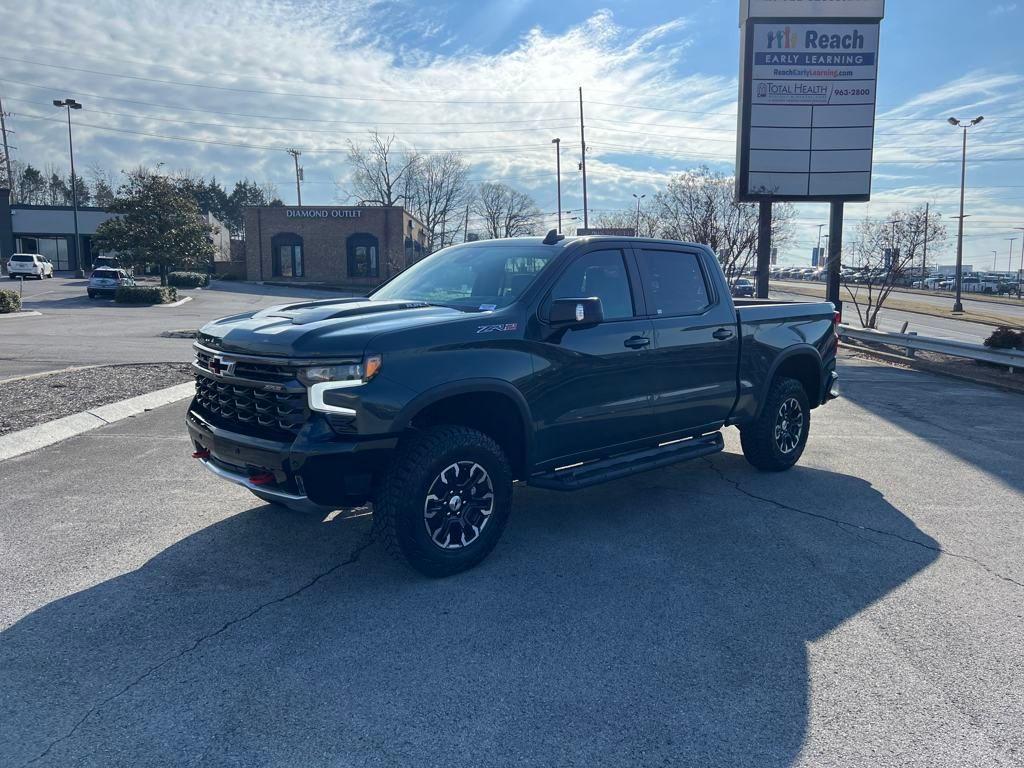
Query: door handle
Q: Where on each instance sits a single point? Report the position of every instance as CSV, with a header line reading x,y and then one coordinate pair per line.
x,y
637,342
723,334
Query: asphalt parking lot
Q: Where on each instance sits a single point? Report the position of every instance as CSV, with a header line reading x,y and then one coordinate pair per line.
x,y
865,608
75,330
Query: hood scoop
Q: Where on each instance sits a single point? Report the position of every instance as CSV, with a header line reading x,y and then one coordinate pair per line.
x,y
318,311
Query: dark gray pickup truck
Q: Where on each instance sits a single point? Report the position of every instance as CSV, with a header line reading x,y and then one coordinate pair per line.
x,y
556,362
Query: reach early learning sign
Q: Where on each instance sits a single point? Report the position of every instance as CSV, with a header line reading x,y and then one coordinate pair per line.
x,y
807,104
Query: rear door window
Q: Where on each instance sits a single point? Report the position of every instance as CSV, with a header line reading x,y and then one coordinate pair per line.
x,y
673,282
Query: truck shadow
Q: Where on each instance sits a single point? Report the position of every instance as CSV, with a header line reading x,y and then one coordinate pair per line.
x,y
983,428
667,626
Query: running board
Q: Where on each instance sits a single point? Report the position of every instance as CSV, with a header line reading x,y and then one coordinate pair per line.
x,y
626,464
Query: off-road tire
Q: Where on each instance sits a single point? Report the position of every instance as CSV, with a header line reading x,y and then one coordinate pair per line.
x,y
760,446
401,496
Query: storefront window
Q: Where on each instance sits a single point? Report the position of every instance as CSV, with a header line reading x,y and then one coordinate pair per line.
x,y
363,260
286,252
53,249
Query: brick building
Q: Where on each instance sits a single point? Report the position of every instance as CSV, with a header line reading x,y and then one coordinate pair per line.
x,y
359,246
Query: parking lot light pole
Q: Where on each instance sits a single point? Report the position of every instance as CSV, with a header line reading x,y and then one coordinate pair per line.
x,y
1020,272
958,305
1009,259
70,104
636,231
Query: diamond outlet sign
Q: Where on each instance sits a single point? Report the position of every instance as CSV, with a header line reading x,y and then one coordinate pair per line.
x,y
807,100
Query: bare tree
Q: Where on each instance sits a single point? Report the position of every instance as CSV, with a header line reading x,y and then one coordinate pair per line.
x,y
381,173
700,207
650,223
103,184
439,192
886,253
29,185
506,212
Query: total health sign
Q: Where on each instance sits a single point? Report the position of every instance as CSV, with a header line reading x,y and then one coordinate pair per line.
x,y
807,100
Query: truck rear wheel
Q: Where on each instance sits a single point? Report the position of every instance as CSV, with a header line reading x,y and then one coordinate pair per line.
x,y
445,500
775,441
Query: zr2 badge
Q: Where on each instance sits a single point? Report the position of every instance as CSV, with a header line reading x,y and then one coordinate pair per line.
x,y
502,328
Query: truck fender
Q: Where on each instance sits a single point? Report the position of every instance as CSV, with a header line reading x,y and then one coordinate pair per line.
x,y
789,353
470,386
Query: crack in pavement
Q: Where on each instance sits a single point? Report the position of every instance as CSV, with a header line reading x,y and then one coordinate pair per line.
x,y
352,558
846,524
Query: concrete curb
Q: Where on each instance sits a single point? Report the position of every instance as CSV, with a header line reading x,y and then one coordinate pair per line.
x,y
22,313
42,435
177,303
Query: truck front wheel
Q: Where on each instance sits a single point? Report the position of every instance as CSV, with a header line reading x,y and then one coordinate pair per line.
x,y
444,502
776,439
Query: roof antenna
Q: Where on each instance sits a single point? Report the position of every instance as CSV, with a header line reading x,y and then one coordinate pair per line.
x,y
553,237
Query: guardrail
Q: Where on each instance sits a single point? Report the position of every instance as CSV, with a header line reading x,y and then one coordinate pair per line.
x,y
1011,358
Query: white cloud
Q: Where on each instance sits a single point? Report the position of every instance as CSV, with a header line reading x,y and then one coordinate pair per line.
x,y
336,53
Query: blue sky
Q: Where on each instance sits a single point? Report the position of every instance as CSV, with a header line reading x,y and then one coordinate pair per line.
x,y
497,80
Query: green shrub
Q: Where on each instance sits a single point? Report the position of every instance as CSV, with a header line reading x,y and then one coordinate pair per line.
x,y
9,302
1005,337
188,279
146,294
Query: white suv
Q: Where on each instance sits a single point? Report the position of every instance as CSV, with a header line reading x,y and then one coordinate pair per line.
x,y
29,265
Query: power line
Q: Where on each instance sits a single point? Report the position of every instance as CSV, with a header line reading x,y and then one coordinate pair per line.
x,y
290,94
181,108
496,148
206,73
303,130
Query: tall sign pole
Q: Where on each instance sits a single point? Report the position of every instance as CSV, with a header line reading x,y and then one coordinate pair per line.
x,y
807,108
764,247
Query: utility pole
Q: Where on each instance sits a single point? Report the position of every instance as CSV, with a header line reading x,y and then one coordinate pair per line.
x,y
558,175
465,227
958,305
7,149
298,174
583,164
817,251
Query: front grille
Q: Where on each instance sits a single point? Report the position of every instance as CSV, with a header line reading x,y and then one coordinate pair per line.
x,y
247,369
257,411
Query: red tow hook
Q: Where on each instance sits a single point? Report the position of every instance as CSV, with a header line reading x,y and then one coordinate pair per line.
x,y
202,453
264,478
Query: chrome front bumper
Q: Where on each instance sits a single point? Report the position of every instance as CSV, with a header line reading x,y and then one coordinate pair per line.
x,y
285,499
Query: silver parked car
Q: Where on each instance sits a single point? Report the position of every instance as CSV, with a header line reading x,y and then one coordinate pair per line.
x,y
106,281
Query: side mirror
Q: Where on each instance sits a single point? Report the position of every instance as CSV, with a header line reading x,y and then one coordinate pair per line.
x,y
576,313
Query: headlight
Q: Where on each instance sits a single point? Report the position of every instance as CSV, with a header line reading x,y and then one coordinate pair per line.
x,y
342,375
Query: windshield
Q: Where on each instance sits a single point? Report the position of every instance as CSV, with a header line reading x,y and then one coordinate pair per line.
x,y
477,277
